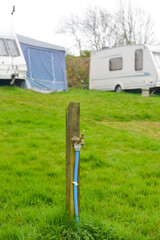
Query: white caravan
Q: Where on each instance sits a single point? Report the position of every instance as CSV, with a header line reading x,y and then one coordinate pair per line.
x,y
12,63
126,67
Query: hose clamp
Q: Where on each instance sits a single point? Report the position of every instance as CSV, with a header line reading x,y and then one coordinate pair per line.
x,y
75,183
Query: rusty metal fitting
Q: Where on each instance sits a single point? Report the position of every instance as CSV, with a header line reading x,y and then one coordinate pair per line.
x,y
75,140
78,140
82,139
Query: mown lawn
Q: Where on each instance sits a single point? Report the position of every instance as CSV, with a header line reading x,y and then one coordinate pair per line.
x,y
120,166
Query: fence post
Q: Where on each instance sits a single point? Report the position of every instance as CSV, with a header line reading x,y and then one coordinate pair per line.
x,y
72,129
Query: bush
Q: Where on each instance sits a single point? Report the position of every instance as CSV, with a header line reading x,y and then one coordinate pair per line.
x,y
82,69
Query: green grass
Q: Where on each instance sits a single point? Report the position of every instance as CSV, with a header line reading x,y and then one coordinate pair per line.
x,y
120,166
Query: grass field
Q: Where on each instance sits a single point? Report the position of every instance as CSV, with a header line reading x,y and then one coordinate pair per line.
x,y
120,166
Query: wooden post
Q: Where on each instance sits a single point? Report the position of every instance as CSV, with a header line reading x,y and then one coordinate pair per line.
x,y
72,129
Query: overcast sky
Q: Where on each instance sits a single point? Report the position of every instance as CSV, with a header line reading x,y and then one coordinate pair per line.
x,y
39,19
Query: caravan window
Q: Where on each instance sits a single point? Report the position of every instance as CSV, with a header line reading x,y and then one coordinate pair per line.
x,y
12,46
138,59
3,48
115,64
157,57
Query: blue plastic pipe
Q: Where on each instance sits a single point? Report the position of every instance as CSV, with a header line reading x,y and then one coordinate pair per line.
x,y
75,185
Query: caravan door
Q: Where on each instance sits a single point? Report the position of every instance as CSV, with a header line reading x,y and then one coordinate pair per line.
x,y
142,68
135,77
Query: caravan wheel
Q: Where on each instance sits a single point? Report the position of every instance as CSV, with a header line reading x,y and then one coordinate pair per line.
x,y
118,89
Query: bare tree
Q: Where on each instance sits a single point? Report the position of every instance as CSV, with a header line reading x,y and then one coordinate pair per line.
x,y
92,31
132,25
97,27
144,27
72,27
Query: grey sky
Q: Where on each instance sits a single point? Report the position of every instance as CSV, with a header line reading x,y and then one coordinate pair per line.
x,y
39,19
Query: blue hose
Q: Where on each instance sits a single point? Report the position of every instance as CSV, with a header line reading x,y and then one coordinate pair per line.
x,y
75,185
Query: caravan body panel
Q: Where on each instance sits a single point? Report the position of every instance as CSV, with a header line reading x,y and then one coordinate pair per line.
x,y
131,67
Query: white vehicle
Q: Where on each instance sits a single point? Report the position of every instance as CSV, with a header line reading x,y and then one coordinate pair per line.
x,y
126,67
13,67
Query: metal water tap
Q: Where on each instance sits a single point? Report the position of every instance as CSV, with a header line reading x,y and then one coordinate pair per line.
x,y
75,140
78,140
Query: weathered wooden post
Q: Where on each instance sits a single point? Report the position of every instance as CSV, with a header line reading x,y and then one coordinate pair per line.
x,y
72,129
